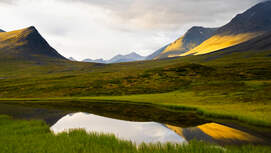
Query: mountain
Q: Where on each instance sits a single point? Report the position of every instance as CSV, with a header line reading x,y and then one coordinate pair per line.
x,y
126,58
250,48
94,61
192,38
26,44
119,58
2,30
243,27
156,53
72,59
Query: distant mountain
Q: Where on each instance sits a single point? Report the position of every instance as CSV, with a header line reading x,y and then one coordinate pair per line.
x,y
2,30
94,61
26,44
119,58
192,38
72,59
243,27
126,58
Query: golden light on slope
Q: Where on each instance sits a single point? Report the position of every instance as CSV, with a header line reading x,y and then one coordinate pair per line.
x,y
13,37
221,132
175,46
219,42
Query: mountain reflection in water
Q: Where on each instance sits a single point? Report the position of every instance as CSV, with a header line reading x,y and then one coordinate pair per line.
x,y
137,132
152,132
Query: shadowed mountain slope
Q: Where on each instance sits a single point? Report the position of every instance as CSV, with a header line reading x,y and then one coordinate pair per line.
x,y
156,53
250,24
26,44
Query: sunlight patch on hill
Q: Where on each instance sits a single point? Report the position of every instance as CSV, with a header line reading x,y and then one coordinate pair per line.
x,y
177,45
13,37
219,42
176,48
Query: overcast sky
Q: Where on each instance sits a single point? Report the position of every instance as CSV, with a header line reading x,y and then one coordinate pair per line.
x,y
103,28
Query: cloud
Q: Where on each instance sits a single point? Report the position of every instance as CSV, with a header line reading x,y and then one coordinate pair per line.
x,y
8,1
168,14
104,28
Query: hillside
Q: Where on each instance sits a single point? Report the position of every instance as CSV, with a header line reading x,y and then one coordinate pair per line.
x,y
156,53
26,44
259,46
142,77
250,24
192,38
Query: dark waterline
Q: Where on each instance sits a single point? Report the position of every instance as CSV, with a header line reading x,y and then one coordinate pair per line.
x,y
50,116
123,111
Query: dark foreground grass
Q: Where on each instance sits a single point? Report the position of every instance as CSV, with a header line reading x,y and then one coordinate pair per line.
x,y
19,136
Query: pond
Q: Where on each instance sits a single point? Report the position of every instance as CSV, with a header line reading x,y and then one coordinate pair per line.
x,y
136,123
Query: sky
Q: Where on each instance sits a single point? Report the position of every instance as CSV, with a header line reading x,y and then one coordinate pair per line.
x,y
104,28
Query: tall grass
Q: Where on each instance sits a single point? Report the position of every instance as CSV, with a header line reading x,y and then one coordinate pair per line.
x,y
19,136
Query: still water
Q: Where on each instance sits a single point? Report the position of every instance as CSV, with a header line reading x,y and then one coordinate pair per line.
x,y
133,123
138,132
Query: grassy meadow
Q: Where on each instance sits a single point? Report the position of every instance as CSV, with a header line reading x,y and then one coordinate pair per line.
x,y
232,88
35,136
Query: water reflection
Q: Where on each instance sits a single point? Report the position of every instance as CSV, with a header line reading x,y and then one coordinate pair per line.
x,y
137,132
132,122
153,132
216,133
50,116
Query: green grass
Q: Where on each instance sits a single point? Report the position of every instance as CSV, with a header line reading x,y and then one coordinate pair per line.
x,y
66,79
236,86
218,106
19,136
247,101
209,105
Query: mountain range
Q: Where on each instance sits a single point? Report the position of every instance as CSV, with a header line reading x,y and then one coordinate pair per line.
x,y
243,27
245,31
119,58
